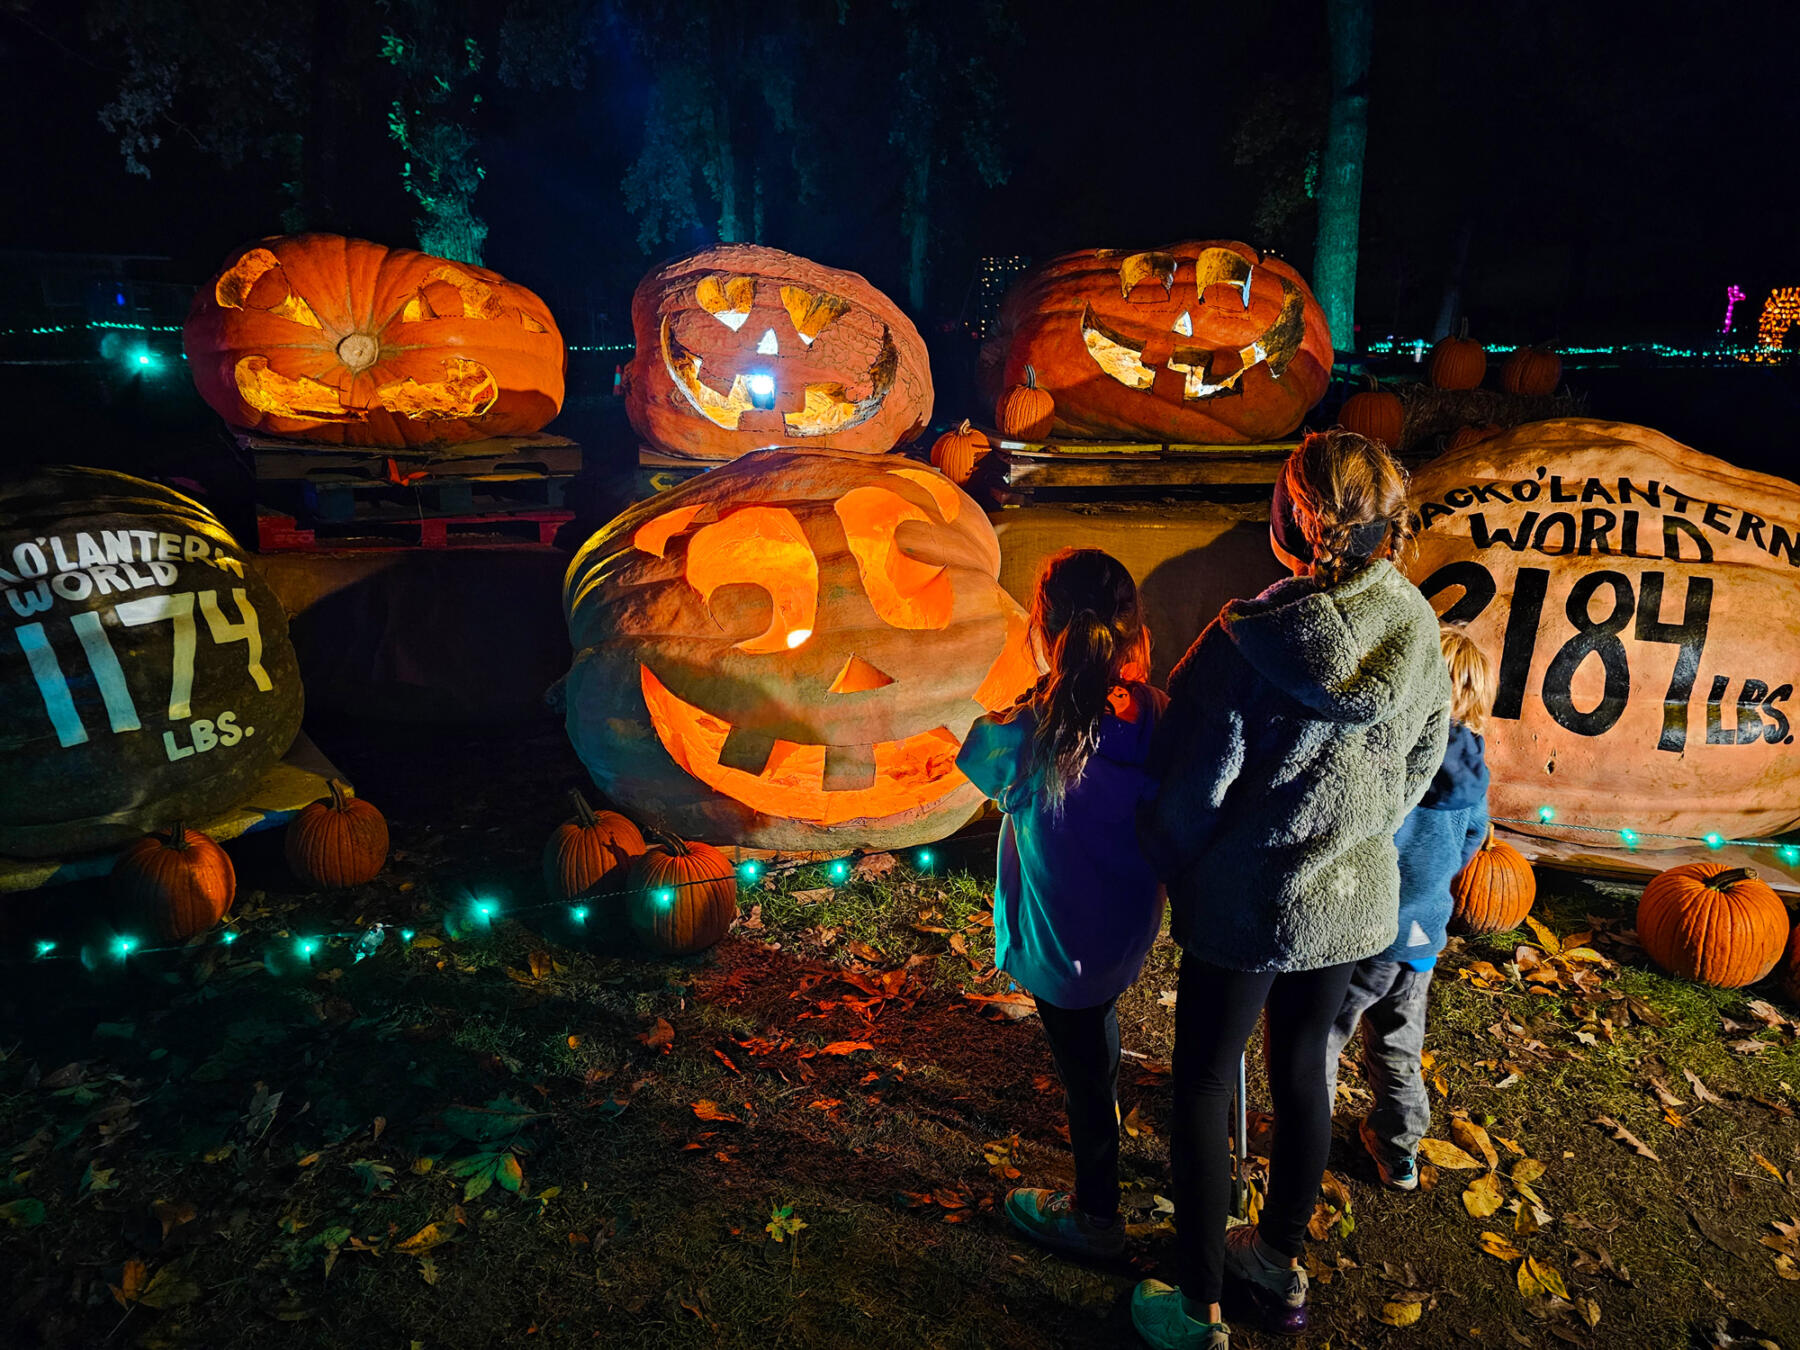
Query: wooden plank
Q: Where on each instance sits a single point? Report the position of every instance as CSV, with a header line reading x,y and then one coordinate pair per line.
x,y
302,777
278,459
1067,471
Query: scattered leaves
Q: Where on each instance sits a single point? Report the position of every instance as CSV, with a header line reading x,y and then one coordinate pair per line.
x,y
1483,1196
1495,1245
1539,1277
1441,1153
1626,1137
783,1223
1401,1312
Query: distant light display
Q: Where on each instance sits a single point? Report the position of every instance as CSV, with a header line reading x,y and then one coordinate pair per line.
x,y
1780,312
993,278
1733,294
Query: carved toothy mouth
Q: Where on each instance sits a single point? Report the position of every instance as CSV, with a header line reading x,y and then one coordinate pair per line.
x,y
826,408
1275,346
898,776
468,389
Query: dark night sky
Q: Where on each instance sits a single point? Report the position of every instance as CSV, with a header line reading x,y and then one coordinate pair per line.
x,y
1616,166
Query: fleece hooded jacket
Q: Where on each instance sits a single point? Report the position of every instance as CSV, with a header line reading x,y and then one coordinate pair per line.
x,y
1434,842
1076,906
1302,727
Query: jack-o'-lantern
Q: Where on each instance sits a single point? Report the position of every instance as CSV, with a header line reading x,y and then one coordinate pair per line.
x,y
787,652
743,347
1636,599
324,338
1203,341
145,667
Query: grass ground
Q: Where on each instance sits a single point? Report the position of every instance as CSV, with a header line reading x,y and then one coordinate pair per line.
x,y
213,1148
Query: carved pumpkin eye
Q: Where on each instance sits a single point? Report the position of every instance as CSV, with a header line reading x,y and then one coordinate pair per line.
x,y
1147,270
760,546
811,314
257,282
727,301
452,294
905,592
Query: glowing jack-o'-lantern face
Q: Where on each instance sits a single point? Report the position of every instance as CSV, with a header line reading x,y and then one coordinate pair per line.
x,y
325,338
1200,342
743,347
788,651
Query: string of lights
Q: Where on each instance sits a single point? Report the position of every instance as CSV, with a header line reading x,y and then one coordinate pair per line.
x,y
1713,839
1723,351
480,914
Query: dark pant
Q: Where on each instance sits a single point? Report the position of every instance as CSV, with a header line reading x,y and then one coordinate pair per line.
x,y
1215,1012
1085,1044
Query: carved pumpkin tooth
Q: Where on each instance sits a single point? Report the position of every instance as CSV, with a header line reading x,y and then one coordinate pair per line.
x,y
849,767
747,750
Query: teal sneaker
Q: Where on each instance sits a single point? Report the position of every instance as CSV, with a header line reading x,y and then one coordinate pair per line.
x,y
1396,1174
1160,1315
1050,1219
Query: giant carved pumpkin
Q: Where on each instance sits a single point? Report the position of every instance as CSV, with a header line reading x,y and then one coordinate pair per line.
x,y
743,347
786,652
145,668
1204,341
324,338
1637,599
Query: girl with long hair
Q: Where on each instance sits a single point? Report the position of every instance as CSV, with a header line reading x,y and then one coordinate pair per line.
x,y
1302,728
1076,906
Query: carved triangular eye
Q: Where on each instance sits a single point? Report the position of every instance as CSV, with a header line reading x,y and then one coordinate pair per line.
x,y
858,676
1184,325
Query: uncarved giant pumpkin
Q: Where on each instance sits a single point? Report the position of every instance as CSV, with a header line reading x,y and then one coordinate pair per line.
x,y
324,338
743,347
1637,599
1203,341
145,668
787,651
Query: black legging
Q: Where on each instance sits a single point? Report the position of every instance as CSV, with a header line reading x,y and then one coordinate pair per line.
x,y
1215,1012
1084,1042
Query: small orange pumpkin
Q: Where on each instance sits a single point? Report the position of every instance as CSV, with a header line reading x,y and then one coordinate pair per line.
x,y
342,841
956,453
1531,370
1494,892
179,883
1025,411
1374,413
685,895
1712,924
1456,362
583,852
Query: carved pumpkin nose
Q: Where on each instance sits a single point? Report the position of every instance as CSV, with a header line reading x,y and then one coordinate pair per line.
x,y
858,677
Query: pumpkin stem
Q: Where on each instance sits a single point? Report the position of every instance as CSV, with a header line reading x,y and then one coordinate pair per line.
x,y
178,836
963,430
339,799
1463,330
1731,878
584,814
1489,841
1373,383
1030,378
673,845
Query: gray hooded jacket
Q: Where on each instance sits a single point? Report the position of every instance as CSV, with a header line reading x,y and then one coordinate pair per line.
x,y
1302,727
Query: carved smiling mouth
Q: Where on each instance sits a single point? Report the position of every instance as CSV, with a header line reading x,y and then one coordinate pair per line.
x,y
1275,346
907,774
828,406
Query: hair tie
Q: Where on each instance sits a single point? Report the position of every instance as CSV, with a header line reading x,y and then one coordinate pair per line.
x,y
1365,539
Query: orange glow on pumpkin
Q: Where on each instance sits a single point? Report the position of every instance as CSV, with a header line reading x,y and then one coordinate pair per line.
x,y
761,546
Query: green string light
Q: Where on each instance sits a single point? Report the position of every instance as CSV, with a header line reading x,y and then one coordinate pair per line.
x,y
123,946
44,947
579,913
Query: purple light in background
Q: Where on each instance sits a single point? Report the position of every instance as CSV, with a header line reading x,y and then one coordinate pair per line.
x,y
1732,295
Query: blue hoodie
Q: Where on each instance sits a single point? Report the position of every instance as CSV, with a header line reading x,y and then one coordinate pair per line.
x,y
1076,906
1435,842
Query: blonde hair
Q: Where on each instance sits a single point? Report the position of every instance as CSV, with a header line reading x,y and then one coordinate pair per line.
x,y
1472,685
1340,482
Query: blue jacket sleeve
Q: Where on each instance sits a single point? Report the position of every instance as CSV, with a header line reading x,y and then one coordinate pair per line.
x,y
995,756
1475,829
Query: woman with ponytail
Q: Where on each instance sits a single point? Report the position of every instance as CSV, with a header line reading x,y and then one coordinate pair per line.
x,y
1076,906
1302,728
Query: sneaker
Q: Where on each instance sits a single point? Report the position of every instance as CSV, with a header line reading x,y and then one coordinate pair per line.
x,y
1051,1219
1277,1292
1396,1175
1160,1315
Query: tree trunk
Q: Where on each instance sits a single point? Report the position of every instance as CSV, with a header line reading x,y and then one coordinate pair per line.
x,y
730,228
756,208
917,218
1341,171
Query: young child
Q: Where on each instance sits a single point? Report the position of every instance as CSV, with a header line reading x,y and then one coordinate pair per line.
x,y
1387,991
1076,907
1302,727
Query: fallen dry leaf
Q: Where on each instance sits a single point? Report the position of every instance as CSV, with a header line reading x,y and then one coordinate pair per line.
x,y
431,1235
1134,1124
837,1048
1010,1007
1483,1196
1495,1245
1539,1277
1526,1170
1767,1166
1441,1153
1545,937
1626,1137
1701,1091
659,1037
1785,1267
1474,1140
711,1110
1400,1313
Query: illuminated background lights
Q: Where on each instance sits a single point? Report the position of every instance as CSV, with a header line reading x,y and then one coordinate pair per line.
x,y
924,857
45,946
1788,854
1732,295
406,935
229,936
124,946
762,390
1629,838
839,870
750,869
1780,312
579,913
1714,839
307,946
1546,814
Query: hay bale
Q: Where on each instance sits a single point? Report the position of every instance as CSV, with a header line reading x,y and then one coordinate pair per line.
x,y
1433,415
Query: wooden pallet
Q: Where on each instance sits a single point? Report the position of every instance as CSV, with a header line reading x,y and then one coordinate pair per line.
x,y
1022,470
657,472
278,532
281,460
